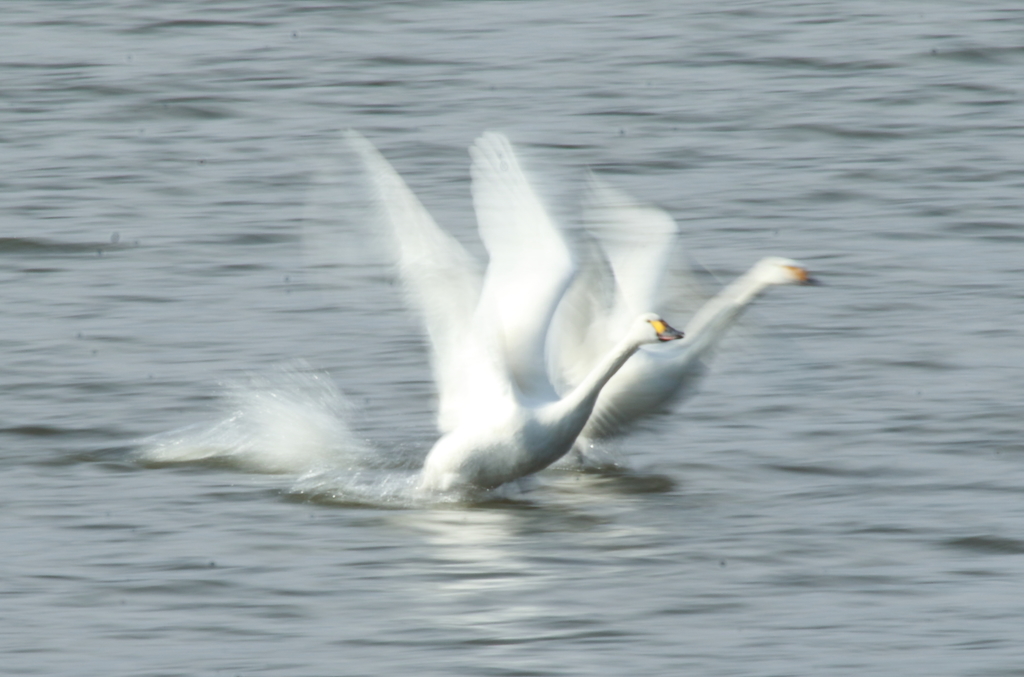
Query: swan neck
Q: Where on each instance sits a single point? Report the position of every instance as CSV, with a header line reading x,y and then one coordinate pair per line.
x,y
725,307
584,395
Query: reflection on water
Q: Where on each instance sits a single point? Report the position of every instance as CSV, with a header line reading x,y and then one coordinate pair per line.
x,y
476,547
486,586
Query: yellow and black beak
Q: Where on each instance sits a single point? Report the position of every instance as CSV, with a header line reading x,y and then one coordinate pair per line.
x,y
665,332
802,276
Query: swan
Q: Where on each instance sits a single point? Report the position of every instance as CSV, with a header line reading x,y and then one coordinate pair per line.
x,y
637,240
500,416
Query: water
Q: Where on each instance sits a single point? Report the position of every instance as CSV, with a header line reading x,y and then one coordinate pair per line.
x,y
179,251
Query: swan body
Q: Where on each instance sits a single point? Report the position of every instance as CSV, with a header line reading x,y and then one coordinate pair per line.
x,y
499,414
637,241
516,437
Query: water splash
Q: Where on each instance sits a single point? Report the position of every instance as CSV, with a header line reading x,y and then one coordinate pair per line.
x,y
294,421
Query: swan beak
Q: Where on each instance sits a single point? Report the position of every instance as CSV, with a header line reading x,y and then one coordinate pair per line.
x,y
665,332
803,277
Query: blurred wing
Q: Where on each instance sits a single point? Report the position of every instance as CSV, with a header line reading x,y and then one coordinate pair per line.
x,y
579,335
620,280
530,262
639,241
442,281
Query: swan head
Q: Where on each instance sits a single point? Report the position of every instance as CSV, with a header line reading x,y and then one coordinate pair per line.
x,y
650,328
778,270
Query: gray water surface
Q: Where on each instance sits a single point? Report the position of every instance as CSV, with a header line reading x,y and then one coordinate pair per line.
x,y
179,244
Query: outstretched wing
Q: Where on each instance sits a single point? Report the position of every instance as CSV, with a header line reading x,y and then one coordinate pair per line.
x,y
639,241
621,278
530,262
442,281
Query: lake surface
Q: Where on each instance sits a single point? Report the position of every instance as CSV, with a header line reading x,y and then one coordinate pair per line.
x,y
185,264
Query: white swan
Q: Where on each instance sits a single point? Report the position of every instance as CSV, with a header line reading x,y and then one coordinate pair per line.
x,y
500,414
637,240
